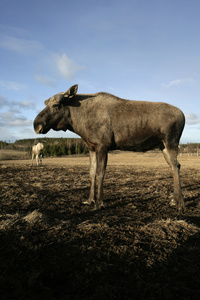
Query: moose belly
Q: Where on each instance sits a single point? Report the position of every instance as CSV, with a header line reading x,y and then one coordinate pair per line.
x,y
145,144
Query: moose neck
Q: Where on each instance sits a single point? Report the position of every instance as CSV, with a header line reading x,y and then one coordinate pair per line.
x,y
75,118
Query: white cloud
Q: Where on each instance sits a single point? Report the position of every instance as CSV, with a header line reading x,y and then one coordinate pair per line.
x,y
21,122
56,66
27,104
45,80
9,118
8,30
192,119
3,101
178,82
14,105
12,85
173,83
66,66
14,125
23,46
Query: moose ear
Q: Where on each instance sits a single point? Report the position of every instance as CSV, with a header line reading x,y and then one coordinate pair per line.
x,y
46,102
72,91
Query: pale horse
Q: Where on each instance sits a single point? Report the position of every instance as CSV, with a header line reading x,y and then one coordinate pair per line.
x,y
37,151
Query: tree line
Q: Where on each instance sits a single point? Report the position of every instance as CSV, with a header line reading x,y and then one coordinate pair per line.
x,y
65,148
52,146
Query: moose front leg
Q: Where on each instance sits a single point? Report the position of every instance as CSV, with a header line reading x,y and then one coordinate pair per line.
x,y
93,166
37,159
101,157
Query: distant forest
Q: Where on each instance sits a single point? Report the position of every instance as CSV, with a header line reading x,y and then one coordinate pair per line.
x,y
70,146
52,146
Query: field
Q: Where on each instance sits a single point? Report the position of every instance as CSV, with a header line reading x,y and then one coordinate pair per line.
x,y
11,154
137,247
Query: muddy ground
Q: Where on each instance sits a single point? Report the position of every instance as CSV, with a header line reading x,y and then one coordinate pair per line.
x,y
137,247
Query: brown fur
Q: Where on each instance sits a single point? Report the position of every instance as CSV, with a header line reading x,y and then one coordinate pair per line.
x,y
106,122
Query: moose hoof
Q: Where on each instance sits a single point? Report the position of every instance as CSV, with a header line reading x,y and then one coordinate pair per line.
x,y
180,206
99,206
172,203
87,202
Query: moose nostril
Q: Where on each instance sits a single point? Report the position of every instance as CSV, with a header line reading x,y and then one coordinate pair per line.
x,y
39,129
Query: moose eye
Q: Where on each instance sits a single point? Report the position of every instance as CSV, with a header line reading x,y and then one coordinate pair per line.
x,y
56,105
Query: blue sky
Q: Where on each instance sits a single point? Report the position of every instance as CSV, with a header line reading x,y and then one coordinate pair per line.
x,y
135,49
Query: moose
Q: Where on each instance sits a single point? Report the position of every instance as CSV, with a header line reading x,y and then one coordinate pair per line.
x,y
37,152
106,122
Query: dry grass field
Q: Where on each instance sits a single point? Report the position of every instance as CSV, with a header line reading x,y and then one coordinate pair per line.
x,y
137,247
12,154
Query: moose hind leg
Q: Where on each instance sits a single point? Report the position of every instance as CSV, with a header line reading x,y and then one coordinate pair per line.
x,y
40,159
32,159
171,158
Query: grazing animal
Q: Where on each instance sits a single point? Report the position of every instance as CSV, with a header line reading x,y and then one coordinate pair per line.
x,y
37,151
106,122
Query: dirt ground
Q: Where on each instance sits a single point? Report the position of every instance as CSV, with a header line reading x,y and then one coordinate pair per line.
x,y
137,247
